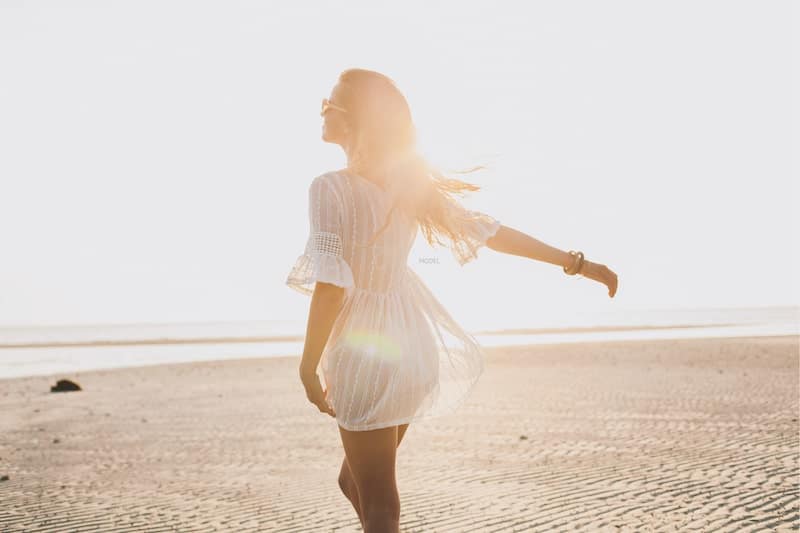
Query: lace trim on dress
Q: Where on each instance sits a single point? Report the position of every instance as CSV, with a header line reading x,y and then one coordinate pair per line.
x,y
321,261
325,242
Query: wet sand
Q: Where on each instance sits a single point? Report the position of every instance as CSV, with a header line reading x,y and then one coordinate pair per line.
x,y
670,435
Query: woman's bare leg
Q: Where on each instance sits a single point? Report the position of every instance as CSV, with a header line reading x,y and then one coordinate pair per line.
x,y
348,484
368,476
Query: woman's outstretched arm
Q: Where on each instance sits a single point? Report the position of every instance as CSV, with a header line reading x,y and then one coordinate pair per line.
x,y
510,241
513,242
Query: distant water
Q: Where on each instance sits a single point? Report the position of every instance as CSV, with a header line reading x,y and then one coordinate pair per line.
x,y
26,351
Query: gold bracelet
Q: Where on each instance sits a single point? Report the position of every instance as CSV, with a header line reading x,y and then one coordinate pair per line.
x,y
568,269
576,265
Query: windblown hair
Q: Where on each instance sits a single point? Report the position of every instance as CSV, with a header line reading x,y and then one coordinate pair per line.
x,y
384,137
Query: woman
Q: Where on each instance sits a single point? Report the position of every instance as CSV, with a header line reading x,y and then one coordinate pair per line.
x,y
388,350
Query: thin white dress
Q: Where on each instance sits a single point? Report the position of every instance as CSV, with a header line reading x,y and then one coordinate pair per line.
x,y
394,354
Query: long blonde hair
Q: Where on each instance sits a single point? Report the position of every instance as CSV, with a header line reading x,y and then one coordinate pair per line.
x,y
384,136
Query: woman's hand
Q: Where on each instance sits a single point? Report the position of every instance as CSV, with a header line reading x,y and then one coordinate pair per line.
x,y
314,391
600,273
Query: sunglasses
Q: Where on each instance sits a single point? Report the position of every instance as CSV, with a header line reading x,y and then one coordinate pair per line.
x,y
327,104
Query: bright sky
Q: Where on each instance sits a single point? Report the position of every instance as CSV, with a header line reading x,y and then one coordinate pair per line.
x,y
156,156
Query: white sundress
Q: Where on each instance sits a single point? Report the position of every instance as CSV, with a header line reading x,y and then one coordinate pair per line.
x,y
394,353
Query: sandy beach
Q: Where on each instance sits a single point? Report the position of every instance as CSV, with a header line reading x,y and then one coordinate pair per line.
x,y
671,435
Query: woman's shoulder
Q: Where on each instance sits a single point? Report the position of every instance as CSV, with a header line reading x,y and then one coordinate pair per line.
x,y
331,183
331,177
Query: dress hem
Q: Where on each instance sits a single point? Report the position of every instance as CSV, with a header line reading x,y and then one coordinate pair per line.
x,y
452,409
382,425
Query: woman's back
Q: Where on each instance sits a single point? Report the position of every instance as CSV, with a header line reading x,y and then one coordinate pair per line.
x,y
378,266
394,353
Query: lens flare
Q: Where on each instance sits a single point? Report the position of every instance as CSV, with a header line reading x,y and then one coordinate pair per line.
x,y
372,344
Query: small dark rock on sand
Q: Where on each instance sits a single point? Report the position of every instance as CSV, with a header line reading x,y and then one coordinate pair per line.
x,y
65,385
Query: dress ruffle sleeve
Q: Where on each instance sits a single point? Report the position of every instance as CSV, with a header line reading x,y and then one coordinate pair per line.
x,y
475,228
323,257
320,262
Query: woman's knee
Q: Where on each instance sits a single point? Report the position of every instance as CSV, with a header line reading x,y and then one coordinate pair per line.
x,y
379,494
344,481
380,503
344,472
